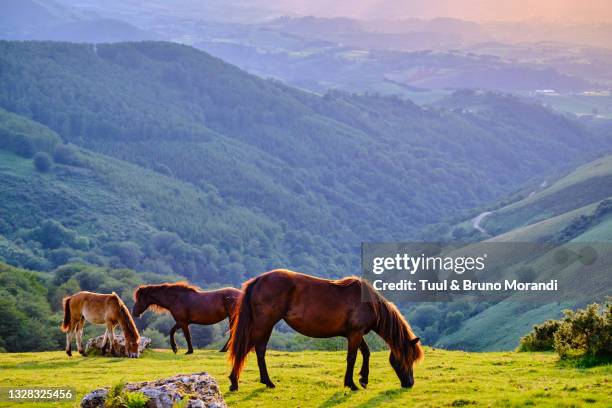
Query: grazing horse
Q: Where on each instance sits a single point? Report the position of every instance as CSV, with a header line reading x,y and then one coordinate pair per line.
x,y
98,308
187,304
321,308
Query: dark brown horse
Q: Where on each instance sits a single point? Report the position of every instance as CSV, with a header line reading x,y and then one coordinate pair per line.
x,y
320,308
187,304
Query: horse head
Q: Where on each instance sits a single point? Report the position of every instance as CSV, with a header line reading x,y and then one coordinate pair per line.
x,y
141,301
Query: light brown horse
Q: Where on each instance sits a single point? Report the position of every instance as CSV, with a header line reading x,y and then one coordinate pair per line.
x,y
187,304
320,308
98,308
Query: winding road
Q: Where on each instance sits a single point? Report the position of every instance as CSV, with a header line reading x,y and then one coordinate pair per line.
x,y
478,219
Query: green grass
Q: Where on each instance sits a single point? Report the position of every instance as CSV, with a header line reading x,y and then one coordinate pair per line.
x,y
314,379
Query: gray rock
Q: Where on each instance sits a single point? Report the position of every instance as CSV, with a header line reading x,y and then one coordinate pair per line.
x,y
95,345
198,390
95,399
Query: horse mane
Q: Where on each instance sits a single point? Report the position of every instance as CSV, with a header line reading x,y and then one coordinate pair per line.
x,y
394,328
347,281
127,323
145,290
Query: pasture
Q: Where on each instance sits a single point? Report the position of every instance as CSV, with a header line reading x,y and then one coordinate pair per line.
x,y
314,379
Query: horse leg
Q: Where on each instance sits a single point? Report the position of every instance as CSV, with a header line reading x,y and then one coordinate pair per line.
x,y
354,340
187,334
260,350
79,336
259,339
172,341
365,366
226,345
111,337
104,342
69,334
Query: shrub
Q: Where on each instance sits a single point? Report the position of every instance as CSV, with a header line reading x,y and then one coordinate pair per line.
x,y
42,162
66,154
118,397
541,338
586,332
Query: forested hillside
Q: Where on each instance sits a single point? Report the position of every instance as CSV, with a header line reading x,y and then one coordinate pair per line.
x,y
239,174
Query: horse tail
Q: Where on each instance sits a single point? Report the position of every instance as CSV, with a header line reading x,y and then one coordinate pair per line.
x,y
394,329
229,303
239,344
66,323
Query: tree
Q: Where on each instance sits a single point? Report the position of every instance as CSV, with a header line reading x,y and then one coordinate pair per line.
x,y
66,154
42,162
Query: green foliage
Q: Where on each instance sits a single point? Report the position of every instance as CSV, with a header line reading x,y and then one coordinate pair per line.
x,y
23,136
118,397
583,223
52,235
586,332
541,338
158,340
25,316
135,400
43,162
67,155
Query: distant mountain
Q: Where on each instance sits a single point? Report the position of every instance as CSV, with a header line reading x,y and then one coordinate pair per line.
x,y
49,20
319,54
21,16
293,179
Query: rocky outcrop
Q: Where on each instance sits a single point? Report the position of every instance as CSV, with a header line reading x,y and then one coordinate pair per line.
x,y
198,390
94,345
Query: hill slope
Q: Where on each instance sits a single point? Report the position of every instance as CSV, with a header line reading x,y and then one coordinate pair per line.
x,y
96,209
577,208
330,171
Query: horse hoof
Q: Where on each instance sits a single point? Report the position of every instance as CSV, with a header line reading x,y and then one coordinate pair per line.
x,y
270,385
83,353
69,353
364,384
353,387
189,352
233,387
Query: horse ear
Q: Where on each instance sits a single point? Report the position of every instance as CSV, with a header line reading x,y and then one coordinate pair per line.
x,y
415,340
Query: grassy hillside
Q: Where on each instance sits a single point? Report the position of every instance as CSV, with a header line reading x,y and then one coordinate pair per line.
x,y
574,208
329,170
122,215
586,185
314,379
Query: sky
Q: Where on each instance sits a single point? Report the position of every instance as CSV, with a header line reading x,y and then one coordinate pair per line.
x,y
583,11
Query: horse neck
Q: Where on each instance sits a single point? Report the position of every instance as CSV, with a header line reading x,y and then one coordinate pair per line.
x,y
127,324
155,299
